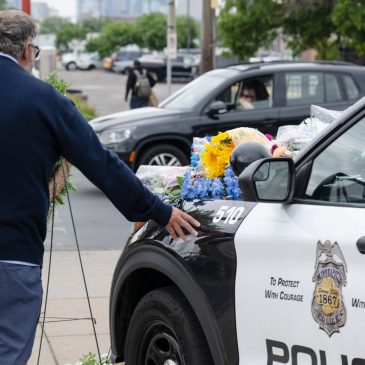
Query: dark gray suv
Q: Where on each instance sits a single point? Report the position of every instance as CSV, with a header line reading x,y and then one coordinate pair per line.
x,y
283,93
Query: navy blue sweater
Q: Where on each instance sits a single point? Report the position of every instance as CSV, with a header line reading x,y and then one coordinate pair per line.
x,y
37,126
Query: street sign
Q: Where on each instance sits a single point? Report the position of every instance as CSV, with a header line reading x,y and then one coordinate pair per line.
x,y
214,4
172,45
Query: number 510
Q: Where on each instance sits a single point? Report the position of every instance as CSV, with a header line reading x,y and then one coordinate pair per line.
x,y
230,215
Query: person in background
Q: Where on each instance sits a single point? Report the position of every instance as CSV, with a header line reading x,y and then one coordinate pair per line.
x,y
253,95
140,83
248,96
38,125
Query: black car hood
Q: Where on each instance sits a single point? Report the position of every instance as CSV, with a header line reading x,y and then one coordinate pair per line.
x,y
132,118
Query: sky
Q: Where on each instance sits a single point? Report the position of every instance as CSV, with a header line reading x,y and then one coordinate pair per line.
x,y
66,8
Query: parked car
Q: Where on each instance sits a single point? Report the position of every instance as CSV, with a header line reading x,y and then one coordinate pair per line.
x,y
210,103
122,61
185,66
274,278
79,60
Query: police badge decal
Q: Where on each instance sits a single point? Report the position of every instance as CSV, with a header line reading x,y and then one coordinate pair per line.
x,y
328,308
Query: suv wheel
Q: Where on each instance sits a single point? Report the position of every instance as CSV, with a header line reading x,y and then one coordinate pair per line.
x,y
164,330
71,66
163,155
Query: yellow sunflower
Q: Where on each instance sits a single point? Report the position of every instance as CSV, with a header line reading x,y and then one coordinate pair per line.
x,y
216,156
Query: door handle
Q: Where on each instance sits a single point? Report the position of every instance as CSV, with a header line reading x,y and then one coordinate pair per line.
x,y
361,244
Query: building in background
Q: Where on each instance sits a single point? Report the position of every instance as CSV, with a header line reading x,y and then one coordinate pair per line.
x,y
131,9
40,10
14,4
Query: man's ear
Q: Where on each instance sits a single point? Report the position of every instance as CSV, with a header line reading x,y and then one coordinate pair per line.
x,y
25,56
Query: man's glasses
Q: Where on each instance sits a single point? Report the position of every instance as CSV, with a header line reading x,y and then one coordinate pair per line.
x,y
37,49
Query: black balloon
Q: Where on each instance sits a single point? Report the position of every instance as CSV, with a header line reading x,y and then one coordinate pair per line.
x,y
246,153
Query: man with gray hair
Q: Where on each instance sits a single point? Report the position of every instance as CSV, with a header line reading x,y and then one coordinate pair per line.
x,y
38,125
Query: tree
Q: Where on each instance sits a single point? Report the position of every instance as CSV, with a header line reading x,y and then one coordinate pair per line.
x,y
67,34
53,24
308,24
187,30
2,5
246,25
113,35
151,31
93,25
349,18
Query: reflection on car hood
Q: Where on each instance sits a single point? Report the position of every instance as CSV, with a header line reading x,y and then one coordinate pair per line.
x,y
132,118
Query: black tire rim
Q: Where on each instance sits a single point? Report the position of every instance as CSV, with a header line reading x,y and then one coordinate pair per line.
x,y
164,159
159,346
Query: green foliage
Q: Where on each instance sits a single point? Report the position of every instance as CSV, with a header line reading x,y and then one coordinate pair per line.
x,y
114,35
2,5
62,86
90,359
349,18
309,25
184,26
246,25
57,83
87,111
151,31
67,34
93,25
53,24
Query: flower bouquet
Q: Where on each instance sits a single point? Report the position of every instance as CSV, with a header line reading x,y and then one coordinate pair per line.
x,y
210,175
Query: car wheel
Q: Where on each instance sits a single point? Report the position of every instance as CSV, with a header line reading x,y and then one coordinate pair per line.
x,y
162,155
71,66
91,67
165,331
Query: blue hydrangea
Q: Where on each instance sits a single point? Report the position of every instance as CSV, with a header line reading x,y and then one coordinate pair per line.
x,y
231,182
217,189
200,188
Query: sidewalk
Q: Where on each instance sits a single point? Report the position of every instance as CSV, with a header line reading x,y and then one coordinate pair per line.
x,y
65,342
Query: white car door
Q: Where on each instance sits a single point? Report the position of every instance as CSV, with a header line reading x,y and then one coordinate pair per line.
x,y
300,283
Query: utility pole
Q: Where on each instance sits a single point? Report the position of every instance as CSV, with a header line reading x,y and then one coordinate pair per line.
x,y
188,26
207,46
171,41
100,14
26,6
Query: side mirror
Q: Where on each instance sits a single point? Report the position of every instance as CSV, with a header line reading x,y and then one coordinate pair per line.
x,y
268,180
217,107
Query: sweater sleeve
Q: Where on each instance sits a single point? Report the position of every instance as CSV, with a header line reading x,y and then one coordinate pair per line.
x,y
80,145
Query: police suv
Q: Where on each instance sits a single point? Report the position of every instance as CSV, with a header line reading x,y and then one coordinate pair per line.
x,y
275,278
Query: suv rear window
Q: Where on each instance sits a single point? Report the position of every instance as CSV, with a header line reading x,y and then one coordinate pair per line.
x,y
304,88
351,87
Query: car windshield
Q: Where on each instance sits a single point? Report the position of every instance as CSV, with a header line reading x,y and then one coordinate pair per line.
x,y
192,94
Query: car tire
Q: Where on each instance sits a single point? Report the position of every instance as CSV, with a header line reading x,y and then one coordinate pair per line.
x,y
71,66
163,155
91,67
163,327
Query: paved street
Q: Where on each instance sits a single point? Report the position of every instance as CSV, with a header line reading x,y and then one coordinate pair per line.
x,y
106,90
